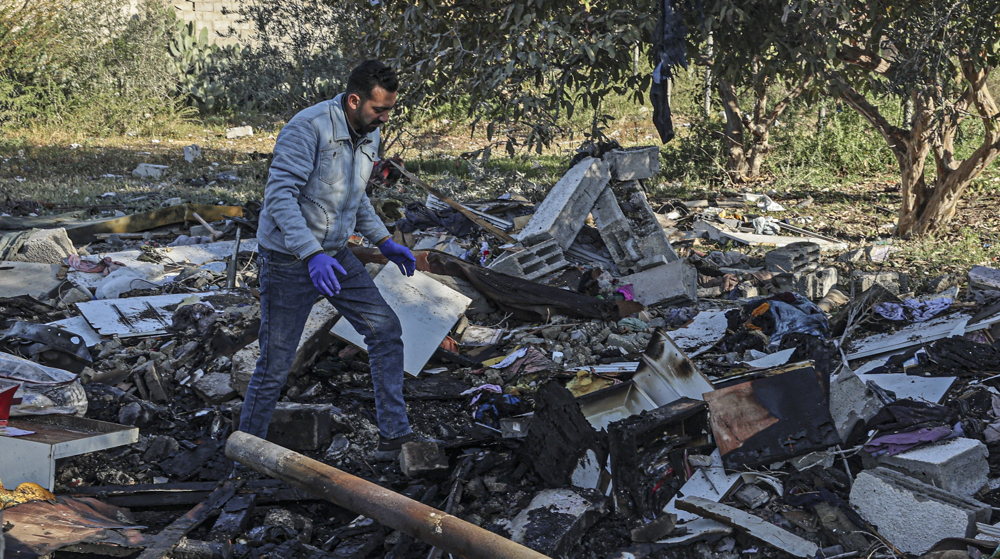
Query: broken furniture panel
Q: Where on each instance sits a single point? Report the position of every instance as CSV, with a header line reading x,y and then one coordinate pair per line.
x,y
564,210
773,418
79,326
604,407
85,232
33,457
650,435
751,525
426,309
143,316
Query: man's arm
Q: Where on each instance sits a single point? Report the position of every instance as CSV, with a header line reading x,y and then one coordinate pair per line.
x,y
369,223
294,160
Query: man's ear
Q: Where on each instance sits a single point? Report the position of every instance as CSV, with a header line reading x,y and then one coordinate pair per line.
x,y
353,101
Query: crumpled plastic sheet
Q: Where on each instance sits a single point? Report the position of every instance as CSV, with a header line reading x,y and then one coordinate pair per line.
x,y
801,316
102,266
913,310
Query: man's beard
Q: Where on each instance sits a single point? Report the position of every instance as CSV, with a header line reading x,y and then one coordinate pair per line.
x,y
364,127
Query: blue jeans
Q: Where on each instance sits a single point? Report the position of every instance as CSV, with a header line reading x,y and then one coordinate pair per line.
x,y
287,294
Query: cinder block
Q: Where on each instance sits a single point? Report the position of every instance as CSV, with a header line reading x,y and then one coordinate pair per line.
x,y
676,282
815,285
895,282
561,215
653,240
422,458
957,465
297,426
794,258
556,519
912,515
532,262
615,230
634,163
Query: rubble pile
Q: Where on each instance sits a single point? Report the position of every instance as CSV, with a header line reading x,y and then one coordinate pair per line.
x,y
595,375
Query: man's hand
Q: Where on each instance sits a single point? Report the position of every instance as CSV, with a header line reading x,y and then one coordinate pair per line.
x,y
400,255
323,270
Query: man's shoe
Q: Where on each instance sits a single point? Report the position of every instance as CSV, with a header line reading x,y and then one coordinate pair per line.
x,y
388,449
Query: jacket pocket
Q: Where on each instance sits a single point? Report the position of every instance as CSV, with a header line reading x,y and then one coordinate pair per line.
x,y
331,166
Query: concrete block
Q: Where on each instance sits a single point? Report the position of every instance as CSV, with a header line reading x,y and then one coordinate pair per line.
x,y
634,163
615,230
149,171
894,282
422,458
912,515
653,240
793,258
239,132
192,153
532,262
851,401
563,212
556,519
244,362
297,426
214,388
815,285
957,465
45,246
676,282
982,277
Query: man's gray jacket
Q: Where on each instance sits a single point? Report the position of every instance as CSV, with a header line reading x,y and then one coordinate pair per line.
x,y
315,194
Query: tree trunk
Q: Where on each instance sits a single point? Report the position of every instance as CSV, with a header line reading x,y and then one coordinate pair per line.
x,y
736,162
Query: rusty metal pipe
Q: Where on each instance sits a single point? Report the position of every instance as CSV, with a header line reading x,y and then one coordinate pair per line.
x,y
363,497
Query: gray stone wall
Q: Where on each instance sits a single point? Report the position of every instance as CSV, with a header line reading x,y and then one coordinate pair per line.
x,y
212,16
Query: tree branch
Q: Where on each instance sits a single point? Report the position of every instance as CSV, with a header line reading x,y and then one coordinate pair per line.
x,y
865,59
894,135
783,104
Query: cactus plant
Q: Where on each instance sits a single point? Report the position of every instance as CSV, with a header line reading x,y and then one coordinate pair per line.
x,y
199,64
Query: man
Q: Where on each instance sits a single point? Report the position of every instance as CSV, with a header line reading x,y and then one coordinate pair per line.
x,y
314,199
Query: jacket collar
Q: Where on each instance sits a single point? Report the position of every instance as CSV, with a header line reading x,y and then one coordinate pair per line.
x,y
341,132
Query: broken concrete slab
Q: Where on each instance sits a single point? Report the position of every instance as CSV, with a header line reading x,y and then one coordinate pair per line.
x,y
653,240
751,525
931,514
150,171
556,519
214,388
27,278
427,311
44,246
957,465
563,212
676,282
316,338
982,277
532,262
801,257
851,402
239,132
297,426
639,163
422,458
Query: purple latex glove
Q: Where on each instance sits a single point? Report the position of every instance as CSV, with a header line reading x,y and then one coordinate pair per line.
x,y
323,270
400,255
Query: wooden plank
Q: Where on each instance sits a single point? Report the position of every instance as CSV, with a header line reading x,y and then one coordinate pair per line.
x,y
166,540
492,229
85,232
751,525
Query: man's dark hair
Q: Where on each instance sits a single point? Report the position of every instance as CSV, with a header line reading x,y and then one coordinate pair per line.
x,y
369,74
